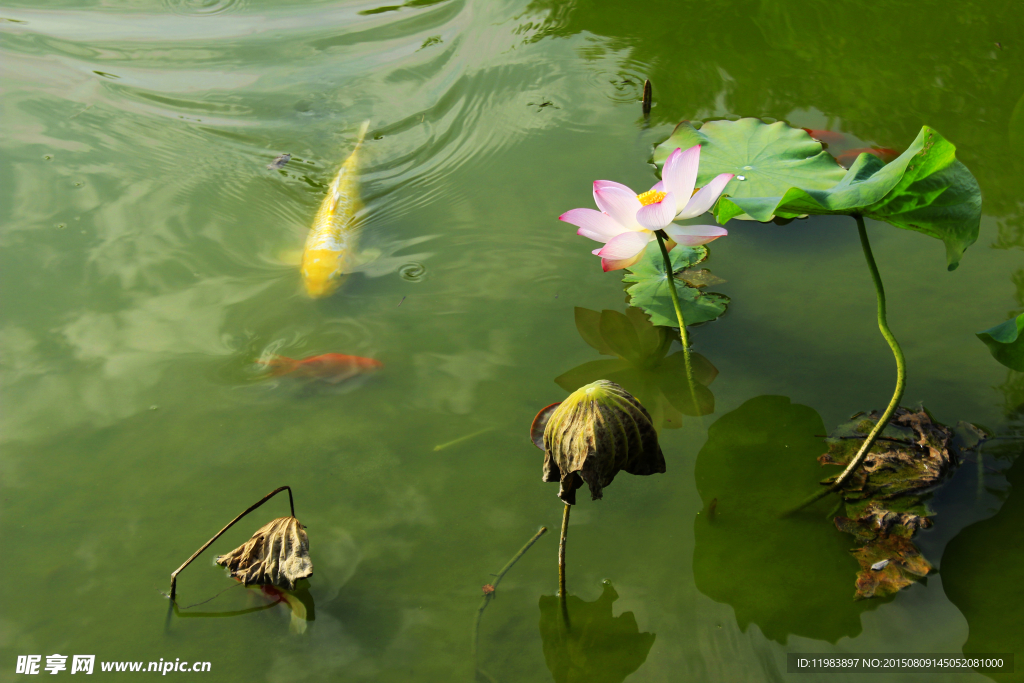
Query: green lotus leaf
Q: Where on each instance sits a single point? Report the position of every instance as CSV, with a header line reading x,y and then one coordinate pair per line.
x,y
1006,343
648,288
770,158
787,174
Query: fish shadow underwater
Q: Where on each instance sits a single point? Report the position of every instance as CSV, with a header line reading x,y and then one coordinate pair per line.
x,y
324,374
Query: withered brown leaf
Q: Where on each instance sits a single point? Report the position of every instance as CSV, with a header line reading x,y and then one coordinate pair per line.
x,y
886,499
276,555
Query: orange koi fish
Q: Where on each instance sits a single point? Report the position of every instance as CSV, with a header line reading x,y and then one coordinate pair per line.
x,y
829,137
329,367
847,158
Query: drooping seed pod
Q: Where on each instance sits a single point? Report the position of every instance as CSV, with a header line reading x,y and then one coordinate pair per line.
x,y
597,431
276,555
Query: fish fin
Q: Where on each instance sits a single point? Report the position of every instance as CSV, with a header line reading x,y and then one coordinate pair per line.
x,y
290,257
363,258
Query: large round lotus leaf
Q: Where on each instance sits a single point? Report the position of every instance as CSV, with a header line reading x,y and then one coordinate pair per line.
x,y
791,575
787,174
767,159
981,576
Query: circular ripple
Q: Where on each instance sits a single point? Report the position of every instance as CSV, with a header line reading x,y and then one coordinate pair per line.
x,y
413,271
203,7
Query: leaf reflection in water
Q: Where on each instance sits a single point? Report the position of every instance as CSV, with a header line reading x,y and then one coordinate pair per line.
x,y
790,575
299,603
643,367
981,575
597,648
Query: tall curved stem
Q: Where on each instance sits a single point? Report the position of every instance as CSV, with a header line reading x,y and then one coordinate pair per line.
x,y
683,336
901,374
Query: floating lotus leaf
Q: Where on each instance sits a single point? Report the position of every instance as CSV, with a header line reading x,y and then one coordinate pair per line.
x,y
598,647
648,288
597,431
1006,343
787,174
766,160
276,555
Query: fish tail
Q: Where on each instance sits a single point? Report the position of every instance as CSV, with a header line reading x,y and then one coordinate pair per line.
x,y
280,365
362,133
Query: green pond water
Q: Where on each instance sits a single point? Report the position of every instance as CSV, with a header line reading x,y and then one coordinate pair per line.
x,y
145,270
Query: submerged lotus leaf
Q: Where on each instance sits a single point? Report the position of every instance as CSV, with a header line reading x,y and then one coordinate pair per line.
x,y
276,555
597,647
1006,342
787,174
597,431
648,288
643,367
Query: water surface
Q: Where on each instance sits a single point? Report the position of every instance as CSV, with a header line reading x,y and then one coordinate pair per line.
x,y
146,267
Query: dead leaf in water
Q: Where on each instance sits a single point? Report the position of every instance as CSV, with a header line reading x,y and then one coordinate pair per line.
x,y
276,555
886,497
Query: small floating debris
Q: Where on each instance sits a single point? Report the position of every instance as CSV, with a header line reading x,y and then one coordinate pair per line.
x,y
467,437
880,565
279,162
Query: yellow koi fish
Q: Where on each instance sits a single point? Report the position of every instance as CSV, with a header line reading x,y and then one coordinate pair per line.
x,y
331,244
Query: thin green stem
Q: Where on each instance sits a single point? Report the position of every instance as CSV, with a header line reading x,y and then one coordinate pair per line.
x,y
683,337
901,375
561,564
490,596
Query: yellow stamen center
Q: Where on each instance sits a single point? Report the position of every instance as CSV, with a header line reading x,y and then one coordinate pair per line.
x,y
650,197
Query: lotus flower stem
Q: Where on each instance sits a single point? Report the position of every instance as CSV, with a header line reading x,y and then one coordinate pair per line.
x,y
264,499
683,337
901,375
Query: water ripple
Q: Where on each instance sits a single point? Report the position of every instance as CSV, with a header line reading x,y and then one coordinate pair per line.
x,y
204,7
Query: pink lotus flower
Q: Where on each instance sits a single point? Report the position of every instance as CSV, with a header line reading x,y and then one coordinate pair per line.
x,y
627,221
